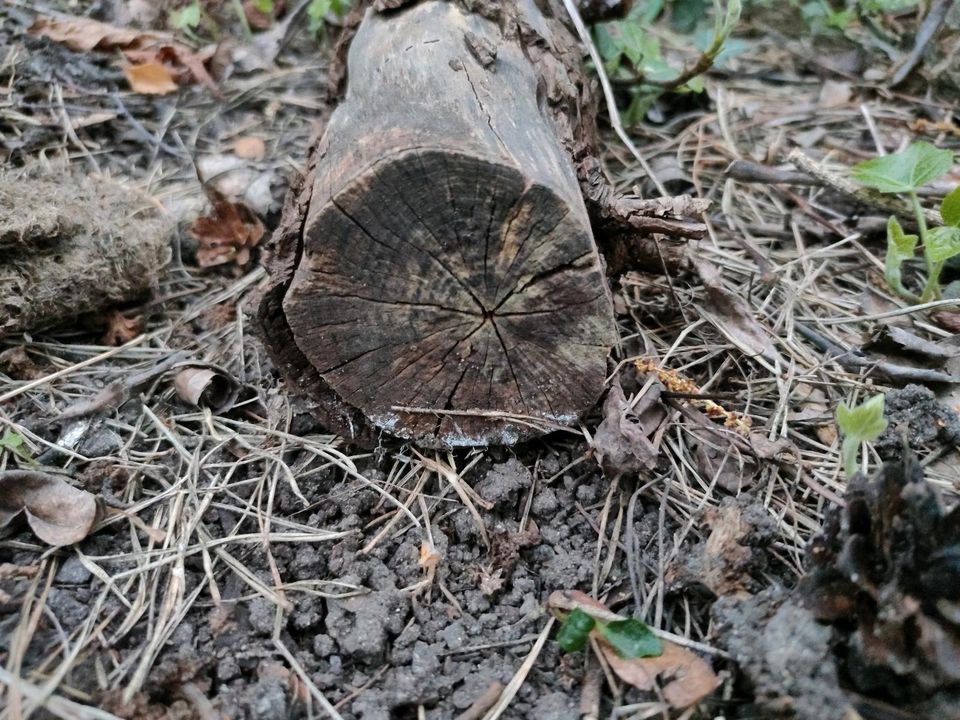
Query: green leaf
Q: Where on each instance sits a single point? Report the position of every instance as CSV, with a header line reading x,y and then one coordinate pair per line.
x,y
864,422
905,171
861,424
631,639
950,207
575,630
264,6
14,443
188,18
900,247
942,243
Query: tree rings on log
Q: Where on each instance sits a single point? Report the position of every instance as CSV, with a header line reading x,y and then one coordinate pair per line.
x,y
441,280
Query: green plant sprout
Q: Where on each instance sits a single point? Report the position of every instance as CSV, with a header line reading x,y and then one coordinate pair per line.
x,y
632,54
630,638
904,173
859,425
14,443
318,10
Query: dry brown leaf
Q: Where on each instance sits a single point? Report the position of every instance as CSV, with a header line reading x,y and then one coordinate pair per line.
x,y
121,328
183,64
86,35
206,386
621,442
227,234
259,20
58,513
429,557
732,316
17,364
685,677
249,147
150,78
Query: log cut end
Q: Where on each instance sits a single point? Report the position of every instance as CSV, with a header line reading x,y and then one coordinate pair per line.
x,y
448,284
437,277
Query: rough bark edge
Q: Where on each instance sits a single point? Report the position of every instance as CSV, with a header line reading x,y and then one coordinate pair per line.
x,y
283,256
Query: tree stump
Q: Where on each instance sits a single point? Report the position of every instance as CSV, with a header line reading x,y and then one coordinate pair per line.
x,y
436,276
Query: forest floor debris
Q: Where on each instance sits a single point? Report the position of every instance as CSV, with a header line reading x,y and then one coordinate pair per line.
x,y
254,567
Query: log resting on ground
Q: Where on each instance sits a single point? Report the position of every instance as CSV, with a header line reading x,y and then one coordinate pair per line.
x,y
436,270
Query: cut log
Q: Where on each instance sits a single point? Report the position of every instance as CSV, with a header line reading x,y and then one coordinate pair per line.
x,y
437,277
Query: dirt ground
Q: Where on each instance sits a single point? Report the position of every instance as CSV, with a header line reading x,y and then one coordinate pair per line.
x,y
256,567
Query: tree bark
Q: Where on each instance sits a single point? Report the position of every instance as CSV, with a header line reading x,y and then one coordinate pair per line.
x,y
435,275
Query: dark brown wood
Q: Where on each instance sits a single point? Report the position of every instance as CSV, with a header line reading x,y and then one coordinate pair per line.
x,y
439,255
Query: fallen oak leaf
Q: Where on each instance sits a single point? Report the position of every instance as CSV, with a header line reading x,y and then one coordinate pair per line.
x,y
227,234
86,35
59,514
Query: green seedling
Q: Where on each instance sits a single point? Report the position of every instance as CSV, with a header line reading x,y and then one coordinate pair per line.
x,y
318,10
904,173
630,638
14,443
632,53
859,425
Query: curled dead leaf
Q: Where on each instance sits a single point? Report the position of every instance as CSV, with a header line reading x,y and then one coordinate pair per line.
x,y
622,440
227,234
207,386
59,514
685,676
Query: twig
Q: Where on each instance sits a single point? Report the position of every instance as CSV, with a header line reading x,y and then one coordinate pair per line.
x,y
867,196
73,368
751,172
928,28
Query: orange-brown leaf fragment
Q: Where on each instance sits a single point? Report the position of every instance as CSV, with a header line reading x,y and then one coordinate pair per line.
x,y
227,234
150,78
121,328
249,147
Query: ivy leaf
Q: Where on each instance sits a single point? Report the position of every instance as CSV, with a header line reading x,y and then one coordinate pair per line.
x,y
942,243
950,207
906,171
575,630
631,639
900,247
